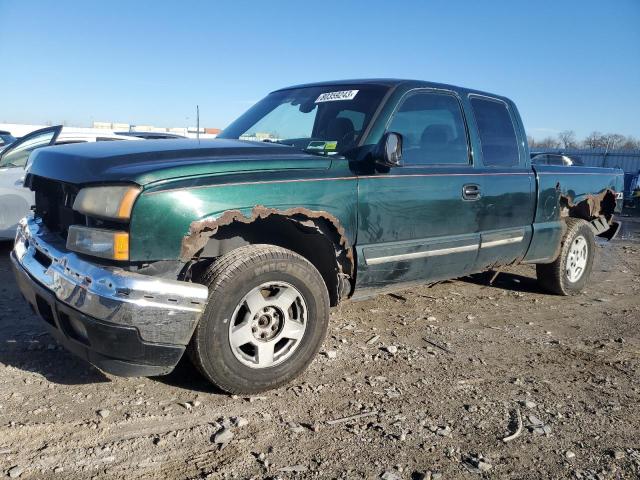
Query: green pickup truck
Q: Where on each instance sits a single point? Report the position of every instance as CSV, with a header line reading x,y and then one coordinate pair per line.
x,y
234,249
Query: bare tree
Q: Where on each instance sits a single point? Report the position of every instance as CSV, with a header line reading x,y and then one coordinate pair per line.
x,y
595,140
614,140
567,139
549,142
630,143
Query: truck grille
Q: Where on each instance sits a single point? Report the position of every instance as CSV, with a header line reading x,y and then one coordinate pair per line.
x,y
54,202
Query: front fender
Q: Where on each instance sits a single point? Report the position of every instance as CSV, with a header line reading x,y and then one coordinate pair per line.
x,y
162,219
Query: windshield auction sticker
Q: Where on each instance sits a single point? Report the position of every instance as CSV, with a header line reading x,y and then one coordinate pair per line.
x,y
337,96
316,145
322,146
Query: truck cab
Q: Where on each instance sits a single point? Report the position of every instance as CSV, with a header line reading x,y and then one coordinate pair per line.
x,y
463,197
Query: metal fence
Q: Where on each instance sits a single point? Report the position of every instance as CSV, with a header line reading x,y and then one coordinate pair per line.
x,y
627,160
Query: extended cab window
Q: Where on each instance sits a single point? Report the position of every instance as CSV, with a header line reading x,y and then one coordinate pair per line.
x,y
497,135
432,129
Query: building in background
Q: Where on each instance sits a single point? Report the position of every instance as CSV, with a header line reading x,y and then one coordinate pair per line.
x,y
190,132
20,130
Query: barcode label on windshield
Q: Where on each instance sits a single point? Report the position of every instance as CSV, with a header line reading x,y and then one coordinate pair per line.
x,y
336,96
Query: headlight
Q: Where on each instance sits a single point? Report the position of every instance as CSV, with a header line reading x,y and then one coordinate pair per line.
x,y
108,202
98,242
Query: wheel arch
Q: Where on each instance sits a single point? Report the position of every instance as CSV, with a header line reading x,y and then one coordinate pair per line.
x,y
590,207
315,235
598,210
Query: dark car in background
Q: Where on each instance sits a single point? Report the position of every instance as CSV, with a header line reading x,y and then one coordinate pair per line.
x,y
632,190
6,139
556,159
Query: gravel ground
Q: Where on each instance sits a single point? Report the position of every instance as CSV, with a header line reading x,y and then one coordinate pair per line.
x,y
437,377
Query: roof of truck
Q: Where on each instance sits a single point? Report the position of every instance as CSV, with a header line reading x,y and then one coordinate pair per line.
x,y
392,82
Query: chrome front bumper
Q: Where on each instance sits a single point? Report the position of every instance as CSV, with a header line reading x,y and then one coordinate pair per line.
x,y
162,311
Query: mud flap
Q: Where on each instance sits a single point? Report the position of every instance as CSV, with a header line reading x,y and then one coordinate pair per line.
x,y
603,229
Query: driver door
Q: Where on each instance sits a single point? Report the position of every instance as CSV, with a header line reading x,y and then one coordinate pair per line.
x,y
418,222
16,201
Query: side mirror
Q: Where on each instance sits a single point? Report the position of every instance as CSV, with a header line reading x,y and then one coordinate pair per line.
x,y
389,151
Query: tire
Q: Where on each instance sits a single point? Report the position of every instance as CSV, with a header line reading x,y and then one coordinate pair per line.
x,y
240,307
562,276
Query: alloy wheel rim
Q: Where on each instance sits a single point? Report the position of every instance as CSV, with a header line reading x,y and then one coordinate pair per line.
x,y
577,259
268,324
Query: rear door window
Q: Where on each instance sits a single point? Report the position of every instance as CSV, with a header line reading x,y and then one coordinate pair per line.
x,y
497,134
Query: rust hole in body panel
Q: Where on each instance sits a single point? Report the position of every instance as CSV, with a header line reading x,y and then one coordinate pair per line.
x,y
320,224
592,206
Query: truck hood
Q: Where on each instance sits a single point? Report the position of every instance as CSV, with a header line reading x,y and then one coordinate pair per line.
x,y
151,161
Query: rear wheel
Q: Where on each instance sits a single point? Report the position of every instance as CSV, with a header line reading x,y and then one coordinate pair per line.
x,y
569,273
265,320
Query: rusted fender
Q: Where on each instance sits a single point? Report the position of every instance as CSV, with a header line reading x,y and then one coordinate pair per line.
x,y
200,231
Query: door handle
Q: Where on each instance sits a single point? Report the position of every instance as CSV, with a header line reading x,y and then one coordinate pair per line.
x,y
20,182
471,191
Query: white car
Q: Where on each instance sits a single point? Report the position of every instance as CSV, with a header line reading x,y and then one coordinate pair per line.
x,y
15,200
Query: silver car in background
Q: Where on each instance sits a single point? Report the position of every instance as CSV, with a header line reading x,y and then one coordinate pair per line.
x,y
15,200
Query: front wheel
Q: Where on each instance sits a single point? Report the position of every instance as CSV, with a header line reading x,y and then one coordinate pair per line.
x,y
568,274
265,320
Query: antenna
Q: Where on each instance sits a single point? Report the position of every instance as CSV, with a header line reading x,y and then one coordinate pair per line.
x,y
198,122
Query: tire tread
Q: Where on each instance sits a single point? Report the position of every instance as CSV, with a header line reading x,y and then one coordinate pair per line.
x,y
222,271
551,275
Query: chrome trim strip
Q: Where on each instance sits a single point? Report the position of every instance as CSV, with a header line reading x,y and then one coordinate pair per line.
x,y
502,241
163,310
423,254
574,173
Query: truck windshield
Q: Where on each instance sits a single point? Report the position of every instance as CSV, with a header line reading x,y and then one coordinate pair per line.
x,y
324,120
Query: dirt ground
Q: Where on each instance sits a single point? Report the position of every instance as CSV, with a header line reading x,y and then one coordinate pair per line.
x,y
438,374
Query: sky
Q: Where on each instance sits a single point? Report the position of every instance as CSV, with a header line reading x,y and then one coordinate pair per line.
x,y
568,64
